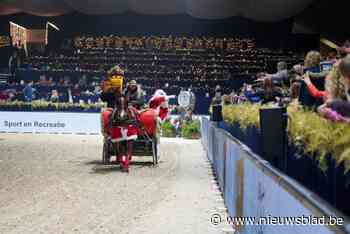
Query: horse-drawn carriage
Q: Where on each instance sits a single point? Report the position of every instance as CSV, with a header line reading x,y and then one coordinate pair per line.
x,y
129,131
146,143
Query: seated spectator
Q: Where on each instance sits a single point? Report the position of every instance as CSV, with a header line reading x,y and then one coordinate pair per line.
x,y
54,97
75,91
250,94
3,96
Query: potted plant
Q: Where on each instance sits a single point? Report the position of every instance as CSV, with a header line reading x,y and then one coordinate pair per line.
x,y
167,129
191,129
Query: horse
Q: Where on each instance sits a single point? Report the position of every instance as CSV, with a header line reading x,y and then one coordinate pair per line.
x,y
124,123
124,128
120,125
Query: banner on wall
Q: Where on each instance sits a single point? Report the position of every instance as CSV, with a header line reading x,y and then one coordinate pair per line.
x,y
50,122
18,34
36,36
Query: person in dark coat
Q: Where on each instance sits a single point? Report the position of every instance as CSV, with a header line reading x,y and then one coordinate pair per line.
x,y
135,95
217,105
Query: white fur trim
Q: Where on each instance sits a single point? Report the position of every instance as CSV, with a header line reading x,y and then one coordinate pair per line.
x,y
159,92
133,137
164,104
118,140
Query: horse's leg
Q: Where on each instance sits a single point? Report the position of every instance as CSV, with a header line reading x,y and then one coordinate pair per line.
x,y
119,151
125,160
130,149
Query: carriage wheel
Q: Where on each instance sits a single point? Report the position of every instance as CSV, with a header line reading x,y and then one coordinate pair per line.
x,y
105,152
155,151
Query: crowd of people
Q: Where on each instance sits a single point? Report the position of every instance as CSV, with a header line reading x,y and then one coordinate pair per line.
x,y
169,63
49,90
320,83
317,82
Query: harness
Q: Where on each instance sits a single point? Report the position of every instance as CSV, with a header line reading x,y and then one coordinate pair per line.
x,y
122,114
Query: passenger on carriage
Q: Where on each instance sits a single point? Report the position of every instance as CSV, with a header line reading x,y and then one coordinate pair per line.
x,y
135,95
160,103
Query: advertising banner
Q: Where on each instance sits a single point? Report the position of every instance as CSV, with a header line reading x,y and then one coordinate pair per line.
x,y
50,122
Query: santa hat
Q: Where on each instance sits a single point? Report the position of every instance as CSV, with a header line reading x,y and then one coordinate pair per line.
x,y
159,92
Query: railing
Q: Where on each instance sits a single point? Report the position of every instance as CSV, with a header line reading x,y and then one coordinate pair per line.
x,y
252,187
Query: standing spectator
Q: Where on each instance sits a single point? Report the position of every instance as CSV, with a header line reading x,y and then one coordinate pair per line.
x,y
14,63
294,94
281,76
21,53
217,105
192,105
338,81
312,66
28,92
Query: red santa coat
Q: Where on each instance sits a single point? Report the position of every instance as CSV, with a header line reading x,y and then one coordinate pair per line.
x,y
122,133
160,103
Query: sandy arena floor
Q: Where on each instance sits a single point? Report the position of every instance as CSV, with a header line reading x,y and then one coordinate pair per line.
x,y
56,184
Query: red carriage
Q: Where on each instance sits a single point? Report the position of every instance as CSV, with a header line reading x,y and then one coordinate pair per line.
x,y
143,130
129,132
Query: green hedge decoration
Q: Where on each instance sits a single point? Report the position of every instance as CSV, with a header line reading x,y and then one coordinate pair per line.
x,y
319,136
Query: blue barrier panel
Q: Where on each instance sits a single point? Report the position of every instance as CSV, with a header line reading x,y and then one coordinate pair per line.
x,y
264,197
220,158
268,200
211,143
207,135
204,132
215,148
233,179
